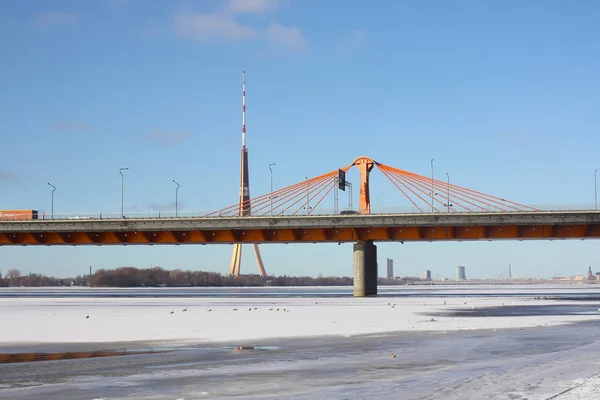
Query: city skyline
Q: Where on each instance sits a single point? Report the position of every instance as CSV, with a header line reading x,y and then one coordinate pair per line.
x,y
499,98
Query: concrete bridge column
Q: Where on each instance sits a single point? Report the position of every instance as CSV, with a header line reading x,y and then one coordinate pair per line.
x,y
365,269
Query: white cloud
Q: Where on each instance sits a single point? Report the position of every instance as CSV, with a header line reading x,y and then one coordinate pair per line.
x,y
290,38
354,40
7,175
208,27
252,6
70,126
122,3
224,25
52,18
159,135
150,31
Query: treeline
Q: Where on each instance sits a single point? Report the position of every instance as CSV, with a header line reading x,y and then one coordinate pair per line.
x,y
159,277
134,277
15,278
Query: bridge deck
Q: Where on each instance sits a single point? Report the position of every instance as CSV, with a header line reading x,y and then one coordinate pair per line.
x,y
541,225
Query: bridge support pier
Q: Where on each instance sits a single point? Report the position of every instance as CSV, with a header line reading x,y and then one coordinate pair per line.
x,y
365,268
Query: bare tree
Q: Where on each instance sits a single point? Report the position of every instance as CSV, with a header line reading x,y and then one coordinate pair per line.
x,y
13,274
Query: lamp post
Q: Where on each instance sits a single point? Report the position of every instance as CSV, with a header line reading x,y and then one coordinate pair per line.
x,y
307,196
448,199
432,160
271,195
52,203
176,195
122,189
595,190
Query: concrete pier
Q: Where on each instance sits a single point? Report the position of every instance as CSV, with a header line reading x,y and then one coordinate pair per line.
x,y
365,269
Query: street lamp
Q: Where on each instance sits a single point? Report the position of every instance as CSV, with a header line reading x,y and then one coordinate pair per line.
x,y
448,199
176,190
595,190
432,160
307,196
52,206
271,196
122,189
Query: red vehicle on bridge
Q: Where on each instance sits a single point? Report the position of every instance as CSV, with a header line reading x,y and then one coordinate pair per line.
x,y
18,215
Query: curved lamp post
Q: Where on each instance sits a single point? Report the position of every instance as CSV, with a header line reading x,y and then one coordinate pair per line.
x,y
122,189
176,195
271,196
52,204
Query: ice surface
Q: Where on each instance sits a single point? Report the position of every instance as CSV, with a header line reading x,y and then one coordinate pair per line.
x,y
212,319
548,360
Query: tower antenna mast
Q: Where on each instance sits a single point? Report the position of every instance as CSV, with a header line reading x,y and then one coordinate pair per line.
x,y
244,109
245,206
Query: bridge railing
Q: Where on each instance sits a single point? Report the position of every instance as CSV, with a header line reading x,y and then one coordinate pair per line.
x,y
322,212
534,208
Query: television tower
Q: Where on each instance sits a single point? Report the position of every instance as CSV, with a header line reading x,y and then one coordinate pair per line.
x,y
245,209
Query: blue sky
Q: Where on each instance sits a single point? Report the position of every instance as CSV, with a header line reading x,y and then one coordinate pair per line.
x,y
503,95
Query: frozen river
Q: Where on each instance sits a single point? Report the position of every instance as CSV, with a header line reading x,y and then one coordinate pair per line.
x,y
504,343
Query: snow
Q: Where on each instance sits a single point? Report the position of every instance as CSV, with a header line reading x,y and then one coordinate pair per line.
x,y
213,319
60,317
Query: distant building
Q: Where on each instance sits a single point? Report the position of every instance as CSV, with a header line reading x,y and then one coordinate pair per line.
x,y
427,275
590,275
390,268
460,273
578,278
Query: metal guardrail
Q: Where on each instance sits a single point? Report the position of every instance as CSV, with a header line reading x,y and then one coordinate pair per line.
x,y
324,212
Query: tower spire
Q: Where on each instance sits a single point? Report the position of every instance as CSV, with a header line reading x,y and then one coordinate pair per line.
x,y
244,109
245,206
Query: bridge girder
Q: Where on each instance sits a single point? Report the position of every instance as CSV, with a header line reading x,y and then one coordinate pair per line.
x,y
303,235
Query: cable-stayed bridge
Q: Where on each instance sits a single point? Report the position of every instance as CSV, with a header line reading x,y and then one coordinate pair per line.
x,y
437,211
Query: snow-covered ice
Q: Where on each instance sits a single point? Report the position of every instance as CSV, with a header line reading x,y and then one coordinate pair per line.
x,y
216,319
548,360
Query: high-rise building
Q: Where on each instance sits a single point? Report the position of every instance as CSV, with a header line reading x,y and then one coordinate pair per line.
x,y
460,273
390,268
427,275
